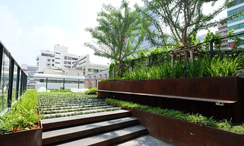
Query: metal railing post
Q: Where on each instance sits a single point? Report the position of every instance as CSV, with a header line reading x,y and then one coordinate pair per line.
x,y
17,84
10,89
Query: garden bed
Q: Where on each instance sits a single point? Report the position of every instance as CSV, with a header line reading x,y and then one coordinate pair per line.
x,y
32,137
180,94
179,128
21,124
183,133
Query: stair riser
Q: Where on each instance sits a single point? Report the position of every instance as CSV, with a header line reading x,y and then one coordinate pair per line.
x,y
88,132
121,138
55,125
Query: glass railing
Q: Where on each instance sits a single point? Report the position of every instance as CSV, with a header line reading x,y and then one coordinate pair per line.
x,y
13,80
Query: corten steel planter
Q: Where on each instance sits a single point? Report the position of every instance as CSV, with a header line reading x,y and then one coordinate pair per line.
x,y
183,133
197,95
31,137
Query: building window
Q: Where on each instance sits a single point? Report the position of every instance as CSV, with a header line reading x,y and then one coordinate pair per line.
x,y
222,27
65,57
65,62
48,60
224,46
57,53
57,58
96,70
43,54
89,69
57,62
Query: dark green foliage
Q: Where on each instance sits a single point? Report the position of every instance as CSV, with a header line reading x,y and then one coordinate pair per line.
x,y
91,91
22,114
194,118
113,79
205,67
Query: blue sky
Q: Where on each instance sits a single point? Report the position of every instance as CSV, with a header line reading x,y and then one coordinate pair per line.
x,y
28,26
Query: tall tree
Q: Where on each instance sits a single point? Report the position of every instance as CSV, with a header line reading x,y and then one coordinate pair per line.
x,y
116,36
184,18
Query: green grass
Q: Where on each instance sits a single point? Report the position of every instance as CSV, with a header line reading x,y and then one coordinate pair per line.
x,y
58,93
22,114
194,118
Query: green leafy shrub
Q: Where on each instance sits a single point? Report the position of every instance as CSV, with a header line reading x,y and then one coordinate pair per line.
x,y
22,115
91,91
57,90
194,118
205,67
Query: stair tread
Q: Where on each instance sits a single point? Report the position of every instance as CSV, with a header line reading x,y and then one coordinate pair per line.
x,y
145,140
104,137
77,117
75,129
77,109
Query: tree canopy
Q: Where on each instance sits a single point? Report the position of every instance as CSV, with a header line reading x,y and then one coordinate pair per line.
x,y
184,18
119,33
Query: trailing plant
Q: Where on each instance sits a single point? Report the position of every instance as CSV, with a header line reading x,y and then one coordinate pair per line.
x,y
194,118
22,115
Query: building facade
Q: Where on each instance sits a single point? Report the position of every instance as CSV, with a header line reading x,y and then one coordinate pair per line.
x,y
83,63
31,71
92,80
222,30
237,23
59,58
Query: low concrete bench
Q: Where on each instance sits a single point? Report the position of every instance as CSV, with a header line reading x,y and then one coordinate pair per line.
x,y
217,101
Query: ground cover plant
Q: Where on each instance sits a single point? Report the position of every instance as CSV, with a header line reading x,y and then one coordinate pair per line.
x,y
22,115
91,91
62,105
194,118
58,93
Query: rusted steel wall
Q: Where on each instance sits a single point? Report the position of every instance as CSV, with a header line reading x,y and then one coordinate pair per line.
x,y
183,133
220,88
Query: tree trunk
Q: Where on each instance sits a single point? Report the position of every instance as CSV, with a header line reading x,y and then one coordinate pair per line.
x,y
120,71
186,57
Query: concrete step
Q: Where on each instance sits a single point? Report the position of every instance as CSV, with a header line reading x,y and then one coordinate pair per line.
x,y
48,116
75,109
145,140
55,123
108,138
64,134
73,106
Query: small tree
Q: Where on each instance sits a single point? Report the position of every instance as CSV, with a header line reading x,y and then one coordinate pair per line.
x,y
184,18
116,36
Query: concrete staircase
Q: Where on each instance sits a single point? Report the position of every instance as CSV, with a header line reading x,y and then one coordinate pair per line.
x,y
105,128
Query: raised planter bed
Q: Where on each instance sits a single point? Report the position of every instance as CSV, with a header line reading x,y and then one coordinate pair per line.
x,y
31,137
197,95
183,133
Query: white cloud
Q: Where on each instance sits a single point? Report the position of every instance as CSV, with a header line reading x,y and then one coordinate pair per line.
x,y
11,32
207,8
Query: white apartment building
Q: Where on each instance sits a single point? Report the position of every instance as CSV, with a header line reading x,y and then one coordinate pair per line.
x,y
59,58
236,23
83,63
